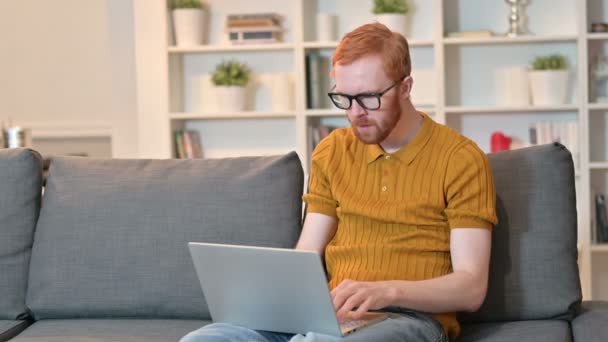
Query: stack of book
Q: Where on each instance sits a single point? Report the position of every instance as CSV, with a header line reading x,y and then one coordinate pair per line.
x,y
188,145
254,28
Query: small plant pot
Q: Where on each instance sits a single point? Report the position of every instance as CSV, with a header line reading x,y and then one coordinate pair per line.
x,y
549,87
188,25
230,99
395,22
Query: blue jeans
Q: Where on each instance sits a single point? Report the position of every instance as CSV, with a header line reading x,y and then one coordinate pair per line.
x,y
402,325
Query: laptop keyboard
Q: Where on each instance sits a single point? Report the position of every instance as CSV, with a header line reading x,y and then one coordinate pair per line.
x,y
352,324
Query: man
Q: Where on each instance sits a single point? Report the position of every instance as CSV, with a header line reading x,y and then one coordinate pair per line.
x,y
400,207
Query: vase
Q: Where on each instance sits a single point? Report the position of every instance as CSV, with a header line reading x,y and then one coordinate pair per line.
x,y
549,87
394,22
230,99
188,26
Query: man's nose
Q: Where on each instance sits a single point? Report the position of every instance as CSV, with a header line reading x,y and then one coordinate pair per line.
x,y
356,110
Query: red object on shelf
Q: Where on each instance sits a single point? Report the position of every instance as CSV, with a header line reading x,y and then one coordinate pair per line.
x,y
500,142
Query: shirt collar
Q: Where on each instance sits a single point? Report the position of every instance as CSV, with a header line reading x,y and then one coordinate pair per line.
x,y
408,152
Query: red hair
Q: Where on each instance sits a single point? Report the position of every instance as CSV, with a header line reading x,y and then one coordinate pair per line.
x,y
371,39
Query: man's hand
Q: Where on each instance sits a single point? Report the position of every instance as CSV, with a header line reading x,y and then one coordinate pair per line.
x,y
369,295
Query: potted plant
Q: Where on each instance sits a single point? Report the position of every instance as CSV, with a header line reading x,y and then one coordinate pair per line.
x,y
188,22
230,79
549,80
391,13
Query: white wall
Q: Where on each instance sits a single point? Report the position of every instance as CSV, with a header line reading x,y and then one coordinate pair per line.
x,y
70,63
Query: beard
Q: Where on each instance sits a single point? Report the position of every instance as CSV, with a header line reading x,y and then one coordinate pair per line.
x,y
371,131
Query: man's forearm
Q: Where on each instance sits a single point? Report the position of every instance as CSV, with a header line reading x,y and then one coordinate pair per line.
x,y
458,291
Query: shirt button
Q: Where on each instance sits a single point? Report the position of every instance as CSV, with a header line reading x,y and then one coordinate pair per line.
x,y
387,157
384,188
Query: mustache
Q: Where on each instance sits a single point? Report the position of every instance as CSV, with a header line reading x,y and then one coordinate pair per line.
x,y
362,122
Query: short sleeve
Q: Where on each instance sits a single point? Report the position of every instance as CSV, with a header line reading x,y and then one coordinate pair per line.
x,y
469,189
319,197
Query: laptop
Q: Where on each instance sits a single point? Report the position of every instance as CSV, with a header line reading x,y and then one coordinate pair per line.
x,y
273,289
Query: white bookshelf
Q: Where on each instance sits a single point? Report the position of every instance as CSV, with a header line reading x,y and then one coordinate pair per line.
x,y
508,109
231,116
229,48
507,40
461,74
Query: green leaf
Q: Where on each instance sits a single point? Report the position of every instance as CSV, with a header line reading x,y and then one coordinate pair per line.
x,y
175,4
390,6
231,73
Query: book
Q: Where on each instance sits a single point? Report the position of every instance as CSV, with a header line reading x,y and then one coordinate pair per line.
x,y
179,145
601,218
317,81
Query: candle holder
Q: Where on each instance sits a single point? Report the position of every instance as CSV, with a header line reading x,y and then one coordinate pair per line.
x,y
516,26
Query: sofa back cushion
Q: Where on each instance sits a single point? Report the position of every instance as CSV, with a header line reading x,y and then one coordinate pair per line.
x,y
112,236
20,190
533,269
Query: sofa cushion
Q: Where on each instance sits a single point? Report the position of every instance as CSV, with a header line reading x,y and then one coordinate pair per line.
x,y
20,191
10,329
79,330
112,236
592,323
523,331
533,269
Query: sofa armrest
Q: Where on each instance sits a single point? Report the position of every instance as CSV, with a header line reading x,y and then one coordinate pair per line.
x,y
592,322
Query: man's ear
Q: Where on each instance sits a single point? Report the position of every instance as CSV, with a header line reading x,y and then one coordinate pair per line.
x,y
406,87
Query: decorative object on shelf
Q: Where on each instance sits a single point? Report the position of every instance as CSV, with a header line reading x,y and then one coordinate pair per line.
x,y
549,80
599,27
326,27
230,79
202,96
254,28
598,77
15,136
188,22
392,13
500,142
516,18
512,86
281,92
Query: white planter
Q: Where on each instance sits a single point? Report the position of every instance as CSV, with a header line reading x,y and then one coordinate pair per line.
x,y
549,87
188,25
395,22
230,99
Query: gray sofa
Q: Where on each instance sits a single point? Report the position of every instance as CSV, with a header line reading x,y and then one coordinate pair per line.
x,y
105,257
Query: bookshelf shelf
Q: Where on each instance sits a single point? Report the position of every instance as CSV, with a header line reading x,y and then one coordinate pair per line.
x,y
598,165
598,106
324,112
231,116
603,248
509,109
507,40
230,48
333,45
597,36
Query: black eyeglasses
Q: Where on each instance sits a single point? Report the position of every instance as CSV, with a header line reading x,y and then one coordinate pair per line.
x,y
369,101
